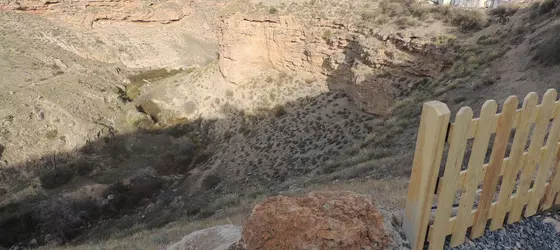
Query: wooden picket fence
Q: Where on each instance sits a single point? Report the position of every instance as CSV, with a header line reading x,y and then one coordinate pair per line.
x,y
510,169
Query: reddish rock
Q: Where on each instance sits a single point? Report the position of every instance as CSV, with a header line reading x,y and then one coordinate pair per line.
x,y
321,220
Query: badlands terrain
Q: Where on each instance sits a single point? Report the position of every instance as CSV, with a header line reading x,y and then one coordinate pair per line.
x,y
137,122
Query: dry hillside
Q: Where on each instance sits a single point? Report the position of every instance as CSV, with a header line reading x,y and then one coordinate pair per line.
x,y
118,118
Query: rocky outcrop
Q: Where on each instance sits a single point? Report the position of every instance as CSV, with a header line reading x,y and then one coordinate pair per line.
x,y
120,10
374,66
321,220
214,238
251,46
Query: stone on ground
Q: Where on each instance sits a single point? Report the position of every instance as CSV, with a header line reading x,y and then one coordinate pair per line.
x,y
320,220
214,238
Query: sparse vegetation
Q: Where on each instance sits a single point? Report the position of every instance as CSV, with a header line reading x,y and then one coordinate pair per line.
x,y
269,79
278,111
63,218
546,6
370,15
460,99
467,20
504,11
56,177
406,13
471,58
229,93
51,134
488,40
138,80
444,39
293,129
548,51
211,181
327,34
404,22
225,201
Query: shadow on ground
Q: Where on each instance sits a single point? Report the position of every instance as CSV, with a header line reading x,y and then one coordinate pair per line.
x,y
146,179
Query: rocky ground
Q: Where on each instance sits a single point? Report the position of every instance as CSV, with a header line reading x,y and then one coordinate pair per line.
x,y
118,117
537,232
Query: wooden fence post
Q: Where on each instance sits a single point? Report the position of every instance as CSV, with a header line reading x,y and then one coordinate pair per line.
x,y
427,158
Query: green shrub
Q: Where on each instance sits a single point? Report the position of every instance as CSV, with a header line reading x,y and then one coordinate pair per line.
x,y
56,177
468,20
82,167
484,40
546,6
62,218
393,9
548,51
269,79
51,134
535,6
327,34
406,21
225,201
278,111
460,99
273,10
504,10
370,15
211,181
160,239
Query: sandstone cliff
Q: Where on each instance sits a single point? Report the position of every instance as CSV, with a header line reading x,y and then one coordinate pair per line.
x,y
373,65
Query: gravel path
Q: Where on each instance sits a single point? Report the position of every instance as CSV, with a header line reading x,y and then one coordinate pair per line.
x,y
538,232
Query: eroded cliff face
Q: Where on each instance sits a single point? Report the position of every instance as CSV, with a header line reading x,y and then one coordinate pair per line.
x,y
373,65
138,34
119,10
242,58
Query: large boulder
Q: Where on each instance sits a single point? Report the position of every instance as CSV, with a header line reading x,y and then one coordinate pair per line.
x,y
214,238
320,220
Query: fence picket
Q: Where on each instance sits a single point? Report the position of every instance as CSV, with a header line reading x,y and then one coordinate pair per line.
x,y
534,156
528,115
556,182
452,171
427,158
547,162
474,172
499,147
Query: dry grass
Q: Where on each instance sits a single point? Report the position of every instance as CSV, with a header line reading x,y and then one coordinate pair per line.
x,y
548,51
547,6
138,80
407,13
388,195
153,239
505,10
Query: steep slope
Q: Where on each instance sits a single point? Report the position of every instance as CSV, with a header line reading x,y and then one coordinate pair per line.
x,y
62,82
300,93
52,99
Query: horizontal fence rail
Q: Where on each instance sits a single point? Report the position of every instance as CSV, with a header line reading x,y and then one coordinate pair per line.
x,y
497,168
